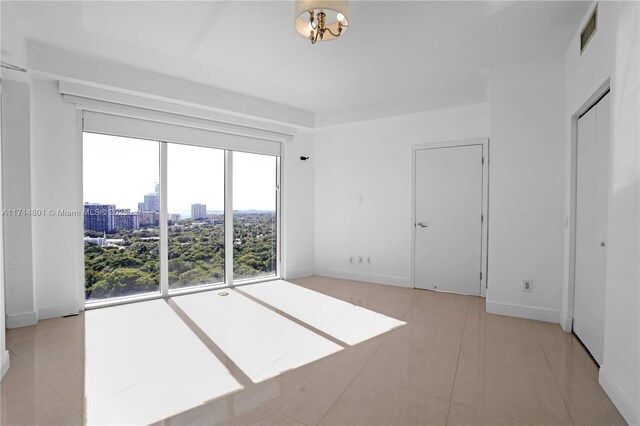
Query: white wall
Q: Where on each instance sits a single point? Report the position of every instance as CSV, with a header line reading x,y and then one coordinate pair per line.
x,y
372,159
19,290
526,189
524,120
56,183
612,55
4,354
13,47
299,201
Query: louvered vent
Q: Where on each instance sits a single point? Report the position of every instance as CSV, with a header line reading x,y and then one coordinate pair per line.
x,y
589,30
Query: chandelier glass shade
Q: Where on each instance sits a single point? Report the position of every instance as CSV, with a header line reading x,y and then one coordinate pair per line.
x,y
321,20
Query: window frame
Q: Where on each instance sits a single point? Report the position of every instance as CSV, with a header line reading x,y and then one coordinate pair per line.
x,y
228,209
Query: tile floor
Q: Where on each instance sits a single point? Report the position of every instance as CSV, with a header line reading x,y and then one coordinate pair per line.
x,y
450,364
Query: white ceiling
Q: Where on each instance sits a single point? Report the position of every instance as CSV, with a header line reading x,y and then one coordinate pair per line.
x,y
393,49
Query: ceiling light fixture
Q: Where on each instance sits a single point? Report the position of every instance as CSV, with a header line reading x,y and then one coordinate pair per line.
x,y
321,19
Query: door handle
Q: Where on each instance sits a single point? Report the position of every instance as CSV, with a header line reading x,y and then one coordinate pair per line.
x,y
421,225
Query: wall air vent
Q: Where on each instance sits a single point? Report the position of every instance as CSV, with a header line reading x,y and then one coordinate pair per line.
x,y
589,29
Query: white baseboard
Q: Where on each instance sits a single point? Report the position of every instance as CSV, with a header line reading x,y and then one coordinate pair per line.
x,y
520,311
369,278
298,273
619,399
22,320
567,325
4,364
57,311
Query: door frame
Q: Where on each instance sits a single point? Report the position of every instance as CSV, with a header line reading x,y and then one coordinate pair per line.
x,y
567,312
484,142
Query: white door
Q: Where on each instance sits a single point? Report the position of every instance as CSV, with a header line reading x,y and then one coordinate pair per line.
x,y
448,228
591,227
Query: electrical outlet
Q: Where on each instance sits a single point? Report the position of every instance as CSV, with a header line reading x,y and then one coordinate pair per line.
x,y
351,259
527,285
368,260
359,259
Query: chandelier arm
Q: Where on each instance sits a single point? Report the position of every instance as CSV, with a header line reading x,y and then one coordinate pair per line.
x,y
331,32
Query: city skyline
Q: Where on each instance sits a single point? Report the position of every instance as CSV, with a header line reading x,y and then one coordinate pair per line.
x,y
107,217
185,213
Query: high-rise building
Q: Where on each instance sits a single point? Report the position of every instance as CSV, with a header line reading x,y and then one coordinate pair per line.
x,y
198,211
148,219
107,218
99,217
151,201
124,219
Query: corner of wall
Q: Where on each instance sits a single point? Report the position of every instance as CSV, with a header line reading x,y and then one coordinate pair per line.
x,y
617,396
24,319
366,277
526,312
527,188
5,363
299,206
47,312
298,273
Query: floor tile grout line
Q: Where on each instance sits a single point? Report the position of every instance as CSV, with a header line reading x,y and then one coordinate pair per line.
x,y
287,316
384,339
515,368
555,380
237,373
358,372
493,413
455,374
525,371
331,338
282,414
46,383
403,387
482,360
408,388
294,319
404,314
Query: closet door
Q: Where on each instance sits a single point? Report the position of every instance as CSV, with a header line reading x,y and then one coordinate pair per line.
x,y
591,227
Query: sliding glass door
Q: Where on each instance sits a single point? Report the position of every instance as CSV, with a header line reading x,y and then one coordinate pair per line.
x,y
121,243
195,206
255,181
155,218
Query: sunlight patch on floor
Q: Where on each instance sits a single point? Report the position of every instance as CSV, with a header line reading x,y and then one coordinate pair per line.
x,y
262,343
342,320
144,364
